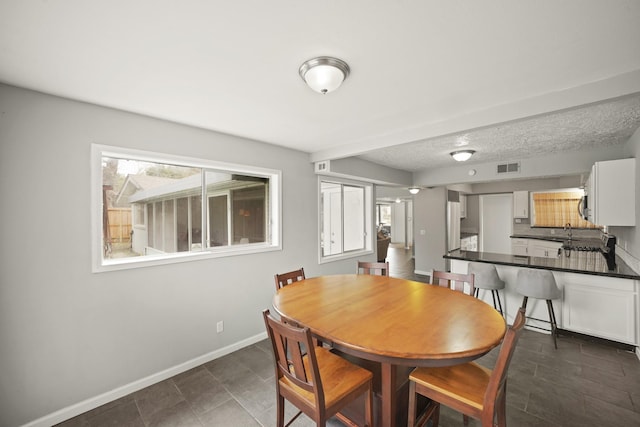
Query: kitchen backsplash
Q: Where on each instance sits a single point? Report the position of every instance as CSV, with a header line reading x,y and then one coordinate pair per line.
x,y
555,232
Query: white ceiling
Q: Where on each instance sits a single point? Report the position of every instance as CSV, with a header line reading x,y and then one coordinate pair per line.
x,y
426,76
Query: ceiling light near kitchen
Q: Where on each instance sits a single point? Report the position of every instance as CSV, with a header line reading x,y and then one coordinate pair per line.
x,y
462,155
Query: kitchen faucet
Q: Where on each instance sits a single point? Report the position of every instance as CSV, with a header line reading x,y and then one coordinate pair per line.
x,y
568,225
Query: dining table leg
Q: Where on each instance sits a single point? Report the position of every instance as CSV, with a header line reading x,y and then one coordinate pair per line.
x,y
389,373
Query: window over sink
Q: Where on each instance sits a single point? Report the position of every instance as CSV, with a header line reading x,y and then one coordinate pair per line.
x,y
556,208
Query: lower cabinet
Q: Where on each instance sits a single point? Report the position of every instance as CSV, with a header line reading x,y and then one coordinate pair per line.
x,y
535,247
600,307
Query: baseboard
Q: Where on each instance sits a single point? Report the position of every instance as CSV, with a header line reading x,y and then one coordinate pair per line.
x,y
423,273
94,402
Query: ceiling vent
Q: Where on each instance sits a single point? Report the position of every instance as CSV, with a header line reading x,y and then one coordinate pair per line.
x,y
323,166
509,168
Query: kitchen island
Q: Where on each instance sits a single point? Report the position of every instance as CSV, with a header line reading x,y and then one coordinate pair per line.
x,y
595,301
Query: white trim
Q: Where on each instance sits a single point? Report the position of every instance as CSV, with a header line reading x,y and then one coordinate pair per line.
x,y
369,206
274,228
94,402
423,273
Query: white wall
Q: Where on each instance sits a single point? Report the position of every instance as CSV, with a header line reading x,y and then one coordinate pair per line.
x,y
430,215
398,222
66,334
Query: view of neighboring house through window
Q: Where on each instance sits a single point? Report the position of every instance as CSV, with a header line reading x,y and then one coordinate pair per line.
x,y
155,210
345,219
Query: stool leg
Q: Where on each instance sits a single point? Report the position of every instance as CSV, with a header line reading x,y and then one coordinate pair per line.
x,y
552,319
499,303
476,292
524,302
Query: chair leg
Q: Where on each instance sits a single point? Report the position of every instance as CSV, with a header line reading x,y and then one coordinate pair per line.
x,y
493,295
552,320
368,408
436,416
502,408
280,411
499,302
524,302
411,422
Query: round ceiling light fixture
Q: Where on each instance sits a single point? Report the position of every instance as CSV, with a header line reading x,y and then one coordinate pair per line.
x,y
324,74
462,155
414,190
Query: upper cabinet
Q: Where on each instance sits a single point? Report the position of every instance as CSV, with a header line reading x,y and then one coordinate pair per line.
x,y
521,204
611,193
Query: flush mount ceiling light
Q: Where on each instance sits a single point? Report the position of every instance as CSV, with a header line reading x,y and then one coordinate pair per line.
x,y
462,155
324,74
414,190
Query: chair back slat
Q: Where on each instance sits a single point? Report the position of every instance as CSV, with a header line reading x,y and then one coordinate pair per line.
x,y
288,278
453,281
373,268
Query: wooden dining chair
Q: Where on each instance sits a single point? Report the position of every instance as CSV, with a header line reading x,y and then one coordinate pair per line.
x,y
285,279
470,388
319,383
453,281
373,268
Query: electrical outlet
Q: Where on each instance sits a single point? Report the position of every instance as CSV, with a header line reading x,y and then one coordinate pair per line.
x,y
220,326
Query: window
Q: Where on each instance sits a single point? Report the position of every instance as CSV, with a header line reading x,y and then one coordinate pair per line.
x,y
557,208
345,219
148,208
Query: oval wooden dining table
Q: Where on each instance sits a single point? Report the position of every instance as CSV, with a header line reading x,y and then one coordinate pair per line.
x,y
392,325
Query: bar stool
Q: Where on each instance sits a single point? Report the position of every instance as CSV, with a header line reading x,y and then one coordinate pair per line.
x,y
486,277
539,284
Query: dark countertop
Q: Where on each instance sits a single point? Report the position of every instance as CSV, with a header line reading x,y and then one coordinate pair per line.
x,y
579,262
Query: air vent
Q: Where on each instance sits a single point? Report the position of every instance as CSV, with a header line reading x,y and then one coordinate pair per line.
x,y
322,167
509,168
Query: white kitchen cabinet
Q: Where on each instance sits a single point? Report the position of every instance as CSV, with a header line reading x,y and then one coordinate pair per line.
x,y
521,204
543,248
535,247
599,306
463,206
520,247
611,193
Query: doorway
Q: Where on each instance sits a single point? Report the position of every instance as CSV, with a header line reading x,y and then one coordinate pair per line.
x,y
496,213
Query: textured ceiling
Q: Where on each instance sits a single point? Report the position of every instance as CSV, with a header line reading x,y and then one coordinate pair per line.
x,y
419,69
594,126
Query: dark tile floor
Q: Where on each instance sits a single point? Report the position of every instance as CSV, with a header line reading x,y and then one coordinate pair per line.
x,y
582,383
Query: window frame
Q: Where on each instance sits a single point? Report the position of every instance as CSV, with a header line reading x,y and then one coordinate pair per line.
x,y
274,206
368,212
